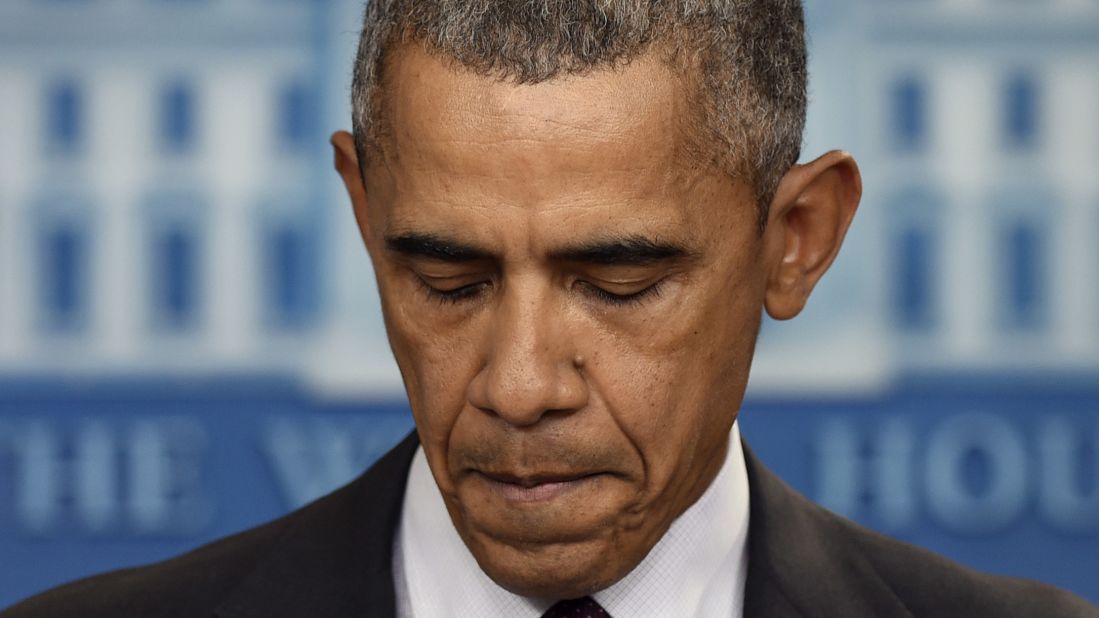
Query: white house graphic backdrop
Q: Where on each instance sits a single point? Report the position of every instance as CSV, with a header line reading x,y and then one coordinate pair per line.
x,y
190,340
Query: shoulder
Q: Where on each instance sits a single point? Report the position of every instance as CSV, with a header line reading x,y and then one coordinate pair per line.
x,y
929,584
803,557
187,585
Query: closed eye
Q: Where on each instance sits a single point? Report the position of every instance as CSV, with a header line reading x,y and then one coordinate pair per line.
x,y
453,295
472,291
649,292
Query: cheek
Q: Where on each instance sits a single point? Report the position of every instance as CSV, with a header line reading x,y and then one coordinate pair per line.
x,y
675,386
660,401
437,362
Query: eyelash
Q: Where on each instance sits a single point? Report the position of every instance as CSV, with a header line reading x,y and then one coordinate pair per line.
x,y
470,292
623,300
455,296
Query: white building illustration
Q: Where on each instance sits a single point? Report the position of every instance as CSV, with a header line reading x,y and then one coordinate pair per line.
x,y
988,125
167,204
163,197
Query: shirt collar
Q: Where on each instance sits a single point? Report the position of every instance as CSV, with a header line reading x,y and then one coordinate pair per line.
x,y
698,568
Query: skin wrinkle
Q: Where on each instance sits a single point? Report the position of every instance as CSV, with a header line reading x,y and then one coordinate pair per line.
x,y
491,378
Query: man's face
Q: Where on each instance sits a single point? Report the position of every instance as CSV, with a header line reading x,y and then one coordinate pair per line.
x,y
573,306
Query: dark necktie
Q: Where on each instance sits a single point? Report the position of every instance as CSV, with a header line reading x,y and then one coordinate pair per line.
x,y
584,607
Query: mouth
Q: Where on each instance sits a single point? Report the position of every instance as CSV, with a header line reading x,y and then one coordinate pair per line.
x,y
535,488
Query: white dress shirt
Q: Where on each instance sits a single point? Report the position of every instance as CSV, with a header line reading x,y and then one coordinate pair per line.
x,y
698,568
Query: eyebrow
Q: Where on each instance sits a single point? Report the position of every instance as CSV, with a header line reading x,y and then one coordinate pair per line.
x,y
629,251
435,247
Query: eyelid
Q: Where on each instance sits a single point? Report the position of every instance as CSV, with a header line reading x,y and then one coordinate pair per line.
x,y
625,269
441,269
444,272
640,281
649,292
445,282
624,277
456,294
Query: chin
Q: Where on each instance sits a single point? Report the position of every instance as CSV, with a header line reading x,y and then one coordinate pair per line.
x,y
551,585
565,571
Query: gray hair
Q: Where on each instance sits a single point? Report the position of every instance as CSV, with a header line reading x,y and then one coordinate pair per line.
x,y
745,61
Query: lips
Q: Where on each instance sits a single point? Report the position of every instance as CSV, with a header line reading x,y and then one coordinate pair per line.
x,y
535,487
533,480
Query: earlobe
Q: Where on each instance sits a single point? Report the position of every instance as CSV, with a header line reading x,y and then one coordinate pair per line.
x,y
809,217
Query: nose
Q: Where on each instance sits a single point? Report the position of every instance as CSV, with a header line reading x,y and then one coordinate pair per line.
x,y
531,367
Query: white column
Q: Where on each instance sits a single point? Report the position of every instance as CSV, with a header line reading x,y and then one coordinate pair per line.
x,y
235,115
1070,103
963,104
20,161
121,119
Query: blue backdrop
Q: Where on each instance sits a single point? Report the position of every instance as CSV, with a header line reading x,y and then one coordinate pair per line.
x,y
1001,475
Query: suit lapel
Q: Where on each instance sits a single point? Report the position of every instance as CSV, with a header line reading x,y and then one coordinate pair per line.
x,y
799,561
335,556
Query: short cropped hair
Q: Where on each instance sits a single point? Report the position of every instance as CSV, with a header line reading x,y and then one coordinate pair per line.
x,y
744,61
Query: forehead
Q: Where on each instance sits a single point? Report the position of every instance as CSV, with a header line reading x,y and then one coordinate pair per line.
x,y
626,116
593,154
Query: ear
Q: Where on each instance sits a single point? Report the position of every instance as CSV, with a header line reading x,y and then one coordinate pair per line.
x,y
808,218
346,161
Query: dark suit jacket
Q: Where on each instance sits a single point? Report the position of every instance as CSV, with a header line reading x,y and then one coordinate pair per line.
x,y
333,558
